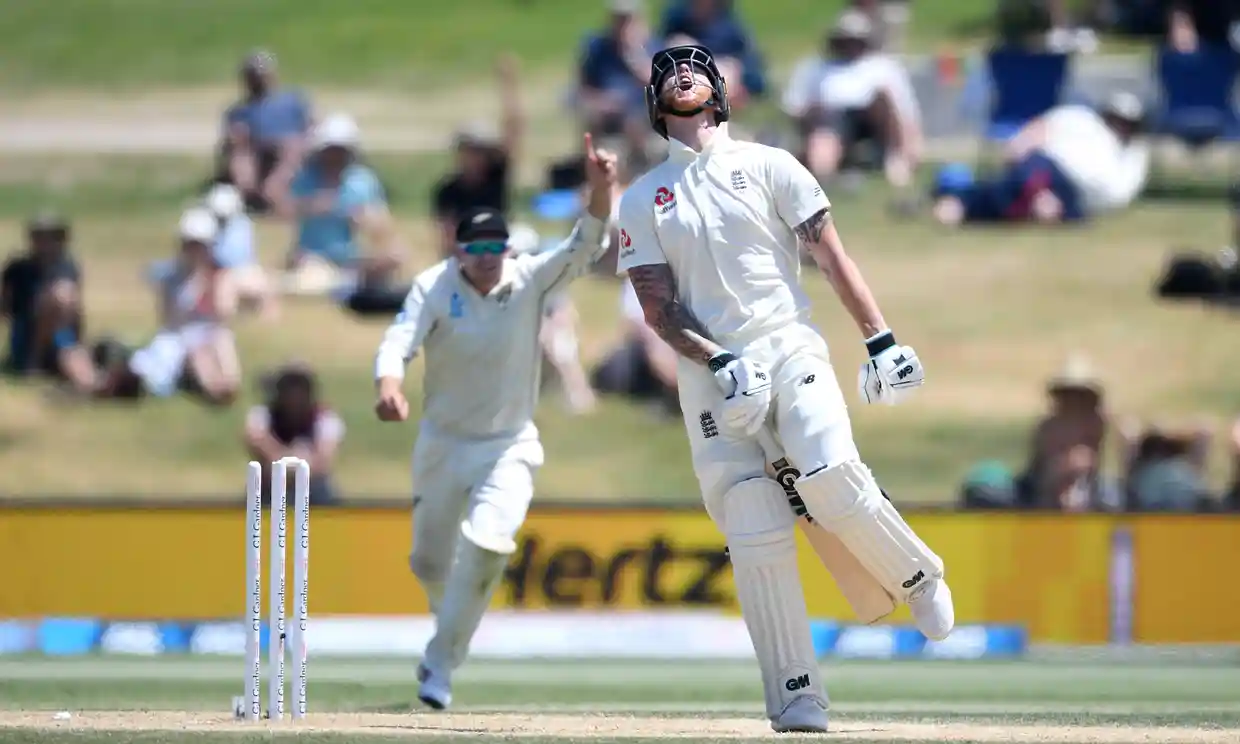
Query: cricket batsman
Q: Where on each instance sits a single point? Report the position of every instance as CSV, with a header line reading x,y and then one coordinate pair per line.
x,y
709,239
477,315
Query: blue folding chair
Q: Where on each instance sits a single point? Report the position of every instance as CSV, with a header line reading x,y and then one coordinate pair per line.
x,y
1196,89
1024,85
1195,107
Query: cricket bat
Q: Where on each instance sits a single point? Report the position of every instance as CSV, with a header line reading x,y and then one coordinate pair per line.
x,y
868,599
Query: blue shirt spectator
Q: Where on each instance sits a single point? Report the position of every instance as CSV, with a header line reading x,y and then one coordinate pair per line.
x,y
235,246
714,25
604,69
330,232
271,118
613,69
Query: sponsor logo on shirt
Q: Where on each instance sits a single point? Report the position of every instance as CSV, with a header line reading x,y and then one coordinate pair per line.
x,y
738,180
664,199
456,306
626,244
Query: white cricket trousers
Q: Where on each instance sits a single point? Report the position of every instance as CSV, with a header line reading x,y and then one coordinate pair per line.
x,y
478,487
807,412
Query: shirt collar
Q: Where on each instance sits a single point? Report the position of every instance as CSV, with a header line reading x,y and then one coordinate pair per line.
x,y
679,151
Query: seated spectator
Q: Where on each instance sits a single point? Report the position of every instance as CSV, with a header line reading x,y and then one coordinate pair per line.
x,y
337,201
1166,469
1065,459
483,164
642,366
264,135
40,297
1193,23
715,25
234,252
855,106
1068,165
194,350
293,422
614,69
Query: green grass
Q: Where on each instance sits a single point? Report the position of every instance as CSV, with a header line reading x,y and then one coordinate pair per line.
x,y
402,43
151,700
993,313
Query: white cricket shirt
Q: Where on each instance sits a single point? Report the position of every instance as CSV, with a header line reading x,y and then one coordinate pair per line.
x,y
1108,173
483,360
723,220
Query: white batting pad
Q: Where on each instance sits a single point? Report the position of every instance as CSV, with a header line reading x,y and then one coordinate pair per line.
x,y
466,595
846,500
762,544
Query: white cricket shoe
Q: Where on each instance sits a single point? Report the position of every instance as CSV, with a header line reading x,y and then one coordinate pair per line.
x,y
805,715
435,689
932,609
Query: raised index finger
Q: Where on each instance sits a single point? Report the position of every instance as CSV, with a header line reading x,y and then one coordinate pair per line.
x,y
590,154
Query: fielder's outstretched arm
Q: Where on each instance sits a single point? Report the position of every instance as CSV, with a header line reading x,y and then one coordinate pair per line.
x,y
655,287
574,256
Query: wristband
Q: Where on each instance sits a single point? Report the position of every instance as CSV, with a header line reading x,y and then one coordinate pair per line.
x,y
721,360
880,342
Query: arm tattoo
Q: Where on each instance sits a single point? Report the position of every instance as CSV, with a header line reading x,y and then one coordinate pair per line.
x,y
810,231
656,290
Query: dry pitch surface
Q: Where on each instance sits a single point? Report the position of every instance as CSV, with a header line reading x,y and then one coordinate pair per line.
x,y
510,725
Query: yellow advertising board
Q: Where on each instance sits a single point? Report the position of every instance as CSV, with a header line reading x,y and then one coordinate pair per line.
x,y
1052,573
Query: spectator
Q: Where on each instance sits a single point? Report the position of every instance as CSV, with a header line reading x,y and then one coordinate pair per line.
x,y
483,164
1066,166
715,25
293,422
40,297
264,135
336,200
852,97
1065,459
1192,23
235,252
194,350
1165,468
642,366
614,69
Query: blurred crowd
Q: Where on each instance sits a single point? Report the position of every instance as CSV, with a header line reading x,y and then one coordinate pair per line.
x,y
848,111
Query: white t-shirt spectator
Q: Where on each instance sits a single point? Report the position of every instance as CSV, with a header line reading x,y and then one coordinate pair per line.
x,y
1108,173
831,85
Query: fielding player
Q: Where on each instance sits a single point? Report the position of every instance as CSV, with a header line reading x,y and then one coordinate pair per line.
x,y
477,315
709,239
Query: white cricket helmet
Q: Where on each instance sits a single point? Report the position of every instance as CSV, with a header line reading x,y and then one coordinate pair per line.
x,y
224,200
337,130
199,225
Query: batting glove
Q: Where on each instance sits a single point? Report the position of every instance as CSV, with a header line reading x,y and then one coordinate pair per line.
x,y
746,388
893,372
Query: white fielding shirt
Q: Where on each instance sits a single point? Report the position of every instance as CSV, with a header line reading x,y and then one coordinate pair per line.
x,y
723,219
483,360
